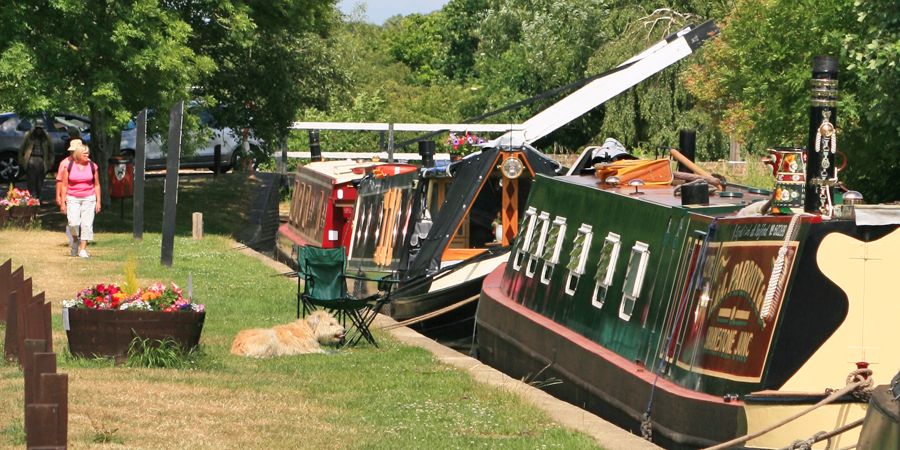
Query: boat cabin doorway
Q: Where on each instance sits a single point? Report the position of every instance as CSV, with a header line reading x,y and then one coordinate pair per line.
x,y
491,214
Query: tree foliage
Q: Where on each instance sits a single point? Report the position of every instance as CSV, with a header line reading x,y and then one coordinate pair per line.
x,y
260,61
754,80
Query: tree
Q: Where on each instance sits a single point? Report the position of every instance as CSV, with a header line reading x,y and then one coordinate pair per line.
x,y
273,58
261,61
115,58
871,53
755,80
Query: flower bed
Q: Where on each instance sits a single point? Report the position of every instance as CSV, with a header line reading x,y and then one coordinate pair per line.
x,y
103,320
18,207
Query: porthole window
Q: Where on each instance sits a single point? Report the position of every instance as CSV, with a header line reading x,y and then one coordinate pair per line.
x,y
536,246
552,248
634,279
578,257
526,233
606,268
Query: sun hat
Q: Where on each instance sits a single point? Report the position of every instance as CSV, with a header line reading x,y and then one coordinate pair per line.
x,y
75,144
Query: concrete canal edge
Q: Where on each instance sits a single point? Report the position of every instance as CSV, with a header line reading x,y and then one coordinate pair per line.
x,y
607,435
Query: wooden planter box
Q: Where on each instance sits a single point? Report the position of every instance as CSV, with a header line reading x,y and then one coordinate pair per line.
x,y
17,215
93,332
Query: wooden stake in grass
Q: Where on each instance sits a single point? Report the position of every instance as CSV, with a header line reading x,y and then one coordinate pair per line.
x,y
197,219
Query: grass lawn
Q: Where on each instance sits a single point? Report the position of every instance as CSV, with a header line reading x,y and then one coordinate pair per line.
x,y
392,397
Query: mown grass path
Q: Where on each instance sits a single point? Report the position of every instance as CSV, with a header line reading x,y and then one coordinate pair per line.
x,y
392,397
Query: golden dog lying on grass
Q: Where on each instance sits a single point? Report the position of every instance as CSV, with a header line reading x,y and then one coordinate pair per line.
x,y
302,336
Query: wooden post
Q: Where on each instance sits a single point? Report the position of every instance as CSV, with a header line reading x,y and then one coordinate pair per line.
x,y
32,347
11,345
171,189
54,389
41,425
23,296
37,321
197,220
5,287
140,163
217,160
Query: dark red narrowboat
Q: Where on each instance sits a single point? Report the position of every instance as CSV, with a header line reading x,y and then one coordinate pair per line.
x,y
322,204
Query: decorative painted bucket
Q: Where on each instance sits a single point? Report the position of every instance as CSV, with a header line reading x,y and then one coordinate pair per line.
x,y
93,332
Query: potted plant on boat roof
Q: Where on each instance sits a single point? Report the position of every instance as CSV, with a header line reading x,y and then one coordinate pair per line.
x,y
18,207
462,145
104,319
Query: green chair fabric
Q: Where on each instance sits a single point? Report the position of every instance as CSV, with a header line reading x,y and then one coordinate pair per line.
x,y
322,271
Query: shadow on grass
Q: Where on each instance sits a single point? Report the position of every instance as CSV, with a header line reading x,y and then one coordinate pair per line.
x,y
223,200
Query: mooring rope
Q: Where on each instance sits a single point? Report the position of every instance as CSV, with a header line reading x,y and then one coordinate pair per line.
x,y
807,444
773,290
864,382
436,313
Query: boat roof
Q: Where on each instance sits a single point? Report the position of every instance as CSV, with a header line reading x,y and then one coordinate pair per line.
x,y
339,172
721,202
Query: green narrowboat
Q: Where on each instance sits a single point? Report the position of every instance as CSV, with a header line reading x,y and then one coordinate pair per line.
x,y
697,323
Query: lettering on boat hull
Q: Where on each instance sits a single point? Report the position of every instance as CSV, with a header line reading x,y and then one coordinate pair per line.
x,y
728,336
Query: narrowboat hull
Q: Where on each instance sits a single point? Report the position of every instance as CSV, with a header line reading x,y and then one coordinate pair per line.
x,y
454,295
529,346
720,324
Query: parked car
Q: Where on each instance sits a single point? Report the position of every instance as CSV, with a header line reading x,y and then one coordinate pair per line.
x,y
203,156
14,127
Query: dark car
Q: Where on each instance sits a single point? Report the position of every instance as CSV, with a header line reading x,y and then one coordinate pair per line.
x,y
13,128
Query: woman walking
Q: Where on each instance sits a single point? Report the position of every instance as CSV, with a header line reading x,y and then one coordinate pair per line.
x,y
81,191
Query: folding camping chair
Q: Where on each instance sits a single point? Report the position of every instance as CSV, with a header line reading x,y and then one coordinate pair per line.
x,y
322,271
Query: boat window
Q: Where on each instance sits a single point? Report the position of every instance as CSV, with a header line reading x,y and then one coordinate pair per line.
x,y
320,211
578,257
634,279
530,218
306,196
537,245
606,268
552,248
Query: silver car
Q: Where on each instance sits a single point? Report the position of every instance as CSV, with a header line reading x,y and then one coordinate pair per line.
x,y
227,140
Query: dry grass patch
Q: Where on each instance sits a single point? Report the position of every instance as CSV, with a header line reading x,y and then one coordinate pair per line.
x,y
177,409
45,256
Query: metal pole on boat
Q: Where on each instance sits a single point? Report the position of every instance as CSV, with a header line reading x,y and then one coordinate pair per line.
x,y
315,151
822,144
391,142
687,145
426,150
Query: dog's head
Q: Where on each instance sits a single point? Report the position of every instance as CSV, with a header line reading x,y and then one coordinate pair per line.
x,y
326,329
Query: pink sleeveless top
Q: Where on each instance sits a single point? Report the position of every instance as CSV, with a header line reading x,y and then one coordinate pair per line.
x,y
81,179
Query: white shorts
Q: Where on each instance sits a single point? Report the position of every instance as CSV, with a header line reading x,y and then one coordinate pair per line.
x,y
80,213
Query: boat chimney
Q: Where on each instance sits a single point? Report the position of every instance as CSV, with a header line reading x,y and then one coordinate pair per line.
x,y
687,145
426,149
822,144
315,152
